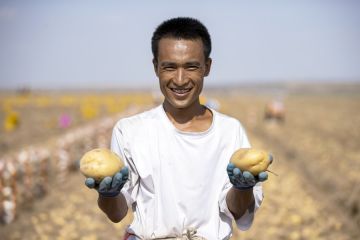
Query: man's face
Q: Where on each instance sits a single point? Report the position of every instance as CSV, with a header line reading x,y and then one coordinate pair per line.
x,y
181,68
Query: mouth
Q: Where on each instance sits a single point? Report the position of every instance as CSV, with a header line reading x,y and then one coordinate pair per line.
x,y
181,92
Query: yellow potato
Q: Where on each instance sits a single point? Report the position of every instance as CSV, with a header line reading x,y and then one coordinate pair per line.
x,y
99,163
250,159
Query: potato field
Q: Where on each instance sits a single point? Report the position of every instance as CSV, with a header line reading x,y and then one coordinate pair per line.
x,y
315,142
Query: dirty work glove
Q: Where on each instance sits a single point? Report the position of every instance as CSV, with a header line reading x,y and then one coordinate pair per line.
x,y
110,186
245,180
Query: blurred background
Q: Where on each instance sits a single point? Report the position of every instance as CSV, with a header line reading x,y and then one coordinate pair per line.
x,y
289,71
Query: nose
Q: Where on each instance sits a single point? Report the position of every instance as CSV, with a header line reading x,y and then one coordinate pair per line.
x,y
180,78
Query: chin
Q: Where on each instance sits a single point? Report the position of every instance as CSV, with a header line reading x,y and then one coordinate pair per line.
x,y
180,104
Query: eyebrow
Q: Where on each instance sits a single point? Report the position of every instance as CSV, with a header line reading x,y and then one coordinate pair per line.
x,y
196,63
166,63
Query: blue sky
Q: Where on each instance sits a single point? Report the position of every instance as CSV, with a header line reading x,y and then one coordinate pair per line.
x,y
106,44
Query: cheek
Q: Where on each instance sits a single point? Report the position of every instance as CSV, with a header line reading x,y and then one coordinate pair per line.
x,y
162,84
164,77
196,76
199,82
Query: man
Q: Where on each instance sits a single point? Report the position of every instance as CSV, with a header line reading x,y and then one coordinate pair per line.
x,y
178,181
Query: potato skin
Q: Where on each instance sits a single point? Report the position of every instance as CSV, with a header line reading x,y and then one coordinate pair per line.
x,y
99,163
251,159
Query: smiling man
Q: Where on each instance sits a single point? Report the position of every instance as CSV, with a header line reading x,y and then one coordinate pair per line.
x,y
178,181
180,65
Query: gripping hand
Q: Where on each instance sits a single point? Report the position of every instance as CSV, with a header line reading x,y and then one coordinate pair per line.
x,y
109,186
243,180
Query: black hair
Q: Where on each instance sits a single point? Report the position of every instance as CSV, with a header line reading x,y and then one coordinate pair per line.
x,y
181,28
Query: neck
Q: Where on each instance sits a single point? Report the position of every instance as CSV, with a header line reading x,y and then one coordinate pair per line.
x,y
184,115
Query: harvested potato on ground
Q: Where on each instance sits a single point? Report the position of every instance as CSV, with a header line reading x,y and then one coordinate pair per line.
x,y
250,159
99,163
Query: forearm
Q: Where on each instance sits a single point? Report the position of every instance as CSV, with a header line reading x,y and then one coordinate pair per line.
x,y
238,201
114,207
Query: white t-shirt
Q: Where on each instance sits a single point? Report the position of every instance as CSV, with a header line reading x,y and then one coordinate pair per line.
x,y
178,180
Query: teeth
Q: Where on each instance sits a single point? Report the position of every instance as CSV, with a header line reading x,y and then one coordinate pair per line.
x,y
181,91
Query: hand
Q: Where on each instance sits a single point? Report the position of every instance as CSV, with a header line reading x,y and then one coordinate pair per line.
x,y
245,180
110,186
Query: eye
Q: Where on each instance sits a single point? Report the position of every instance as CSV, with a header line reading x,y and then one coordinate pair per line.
x,y
192,67
168,68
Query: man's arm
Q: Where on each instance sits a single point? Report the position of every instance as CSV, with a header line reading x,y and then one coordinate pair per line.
x,y
111,201
238,201
114,207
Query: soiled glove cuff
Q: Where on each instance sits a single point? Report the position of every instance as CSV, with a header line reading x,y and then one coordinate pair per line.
x,y
243,188
108,194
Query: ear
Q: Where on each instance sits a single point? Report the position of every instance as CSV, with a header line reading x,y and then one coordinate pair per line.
x,y
155,64
208,66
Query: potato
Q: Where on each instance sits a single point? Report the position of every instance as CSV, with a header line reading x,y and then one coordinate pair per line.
x,y
250,159
99,163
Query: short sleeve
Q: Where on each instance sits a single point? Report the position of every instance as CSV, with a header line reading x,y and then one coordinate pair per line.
x,y
120,145
243,139
246,220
